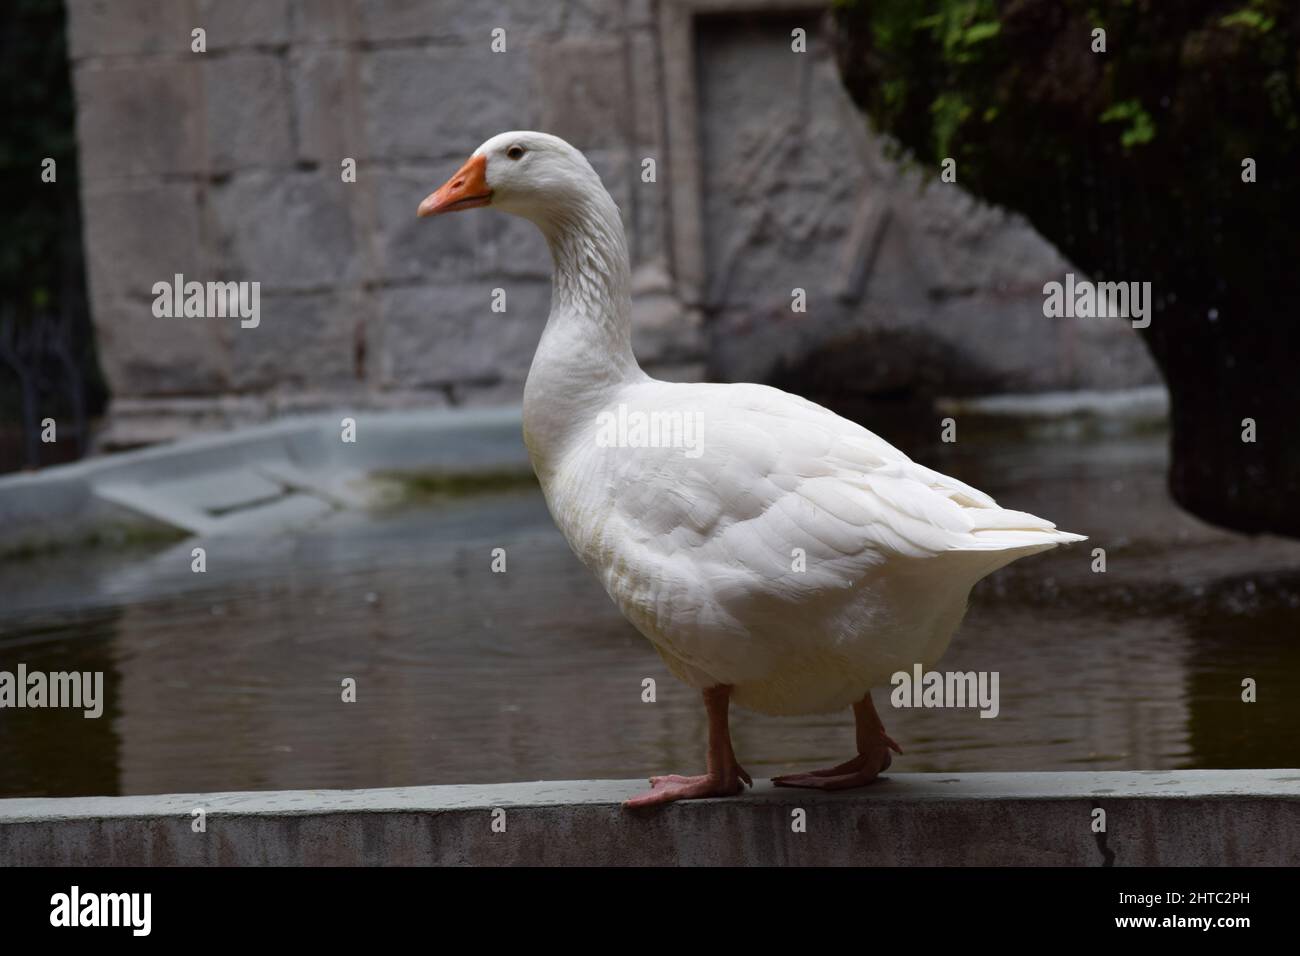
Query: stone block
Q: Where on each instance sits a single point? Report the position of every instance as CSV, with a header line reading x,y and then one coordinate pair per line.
x,y
135,422
326,105
303,343
248,96
646,94
127,27
441,101
582,85
244,23
137,236
438,335
413,249
143,355
594,17
664,330
472,22
482,242
648,237
640,13
291,232
139,118
323,21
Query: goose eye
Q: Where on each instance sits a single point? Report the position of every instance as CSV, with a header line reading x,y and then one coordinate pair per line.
x,y
515,152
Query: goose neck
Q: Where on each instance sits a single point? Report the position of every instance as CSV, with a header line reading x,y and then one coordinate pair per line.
x,y
585,355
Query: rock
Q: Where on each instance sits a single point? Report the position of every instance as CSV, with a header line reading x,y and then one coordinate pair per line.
x,y
665,332
909,285
1135,164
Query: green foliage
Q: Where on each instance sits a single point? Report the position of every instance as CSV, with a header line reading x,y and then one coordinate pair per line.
x,y
1129,160
963,33
959,25
949,74
957,35
1251,19
1141,128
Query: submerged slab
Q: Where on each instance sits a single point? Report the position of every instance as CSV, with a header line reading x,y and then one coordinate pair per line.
x,y
261,479
1184,818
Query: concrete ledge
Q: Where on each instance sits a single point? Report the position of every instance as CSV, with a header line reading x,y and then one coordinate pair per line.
x,y
1182,818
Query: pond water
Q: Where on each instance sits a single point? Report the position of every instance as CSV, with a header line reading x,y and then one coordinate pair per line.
x,y
230,680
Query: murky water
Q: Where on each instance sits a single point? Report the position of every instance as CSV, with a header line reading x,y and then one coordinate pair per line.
x,y
230,680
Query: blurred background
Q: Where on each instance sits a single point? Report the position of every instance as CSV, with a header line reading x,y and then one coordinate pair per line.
x,y
793,145
227,165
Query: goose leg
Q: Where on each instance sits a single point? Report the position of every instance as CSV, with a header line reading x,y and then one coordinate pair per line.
x,y
725,776
872,760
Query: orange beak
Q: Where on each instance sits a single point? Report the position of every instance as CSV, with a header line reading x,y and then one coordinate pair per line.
x,y
467,189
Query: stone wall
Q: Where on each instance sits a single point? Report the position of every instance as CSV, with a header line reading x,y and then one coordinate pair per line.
x,y
225,165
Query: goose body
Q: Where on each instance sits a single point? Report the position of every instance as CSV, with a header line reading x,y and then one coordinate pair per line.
x,y
799,559
772,551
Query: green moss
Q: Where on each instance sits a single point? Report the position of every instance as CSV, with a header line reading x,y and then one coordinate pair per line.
x,y
416,486
119,537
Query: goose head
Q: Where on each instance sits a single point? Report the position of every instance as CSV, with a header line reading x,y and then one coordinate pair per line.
x,y
534,175
586,347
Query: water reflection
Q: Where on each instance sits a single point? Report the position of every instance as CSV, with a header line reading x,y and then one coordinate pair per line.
x,y
56,752
1244,626
230,680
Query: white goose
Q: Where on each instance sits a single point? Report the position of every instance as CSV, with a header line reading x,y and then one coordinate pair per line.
x,y
700,546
